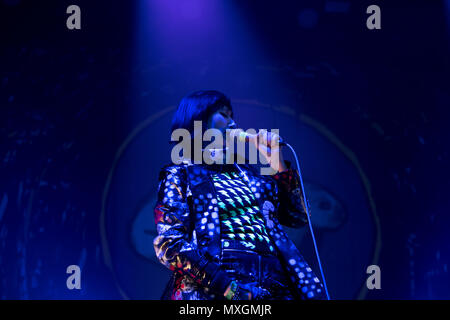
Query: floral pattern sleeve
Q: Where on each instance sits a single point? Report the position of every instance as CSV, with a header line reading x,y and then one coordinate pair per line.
x,y
175,245
291,210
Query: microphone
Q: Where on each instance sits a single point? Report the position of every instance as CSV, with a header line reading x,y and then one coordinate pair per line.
x,y
248,137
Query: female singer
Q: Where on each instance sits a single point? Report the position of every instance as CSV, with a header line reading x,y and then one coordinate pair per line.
x,y
219,225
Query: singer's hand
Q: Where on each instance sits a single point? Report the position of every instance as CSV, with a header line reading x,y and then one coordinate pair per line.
x,y
267,144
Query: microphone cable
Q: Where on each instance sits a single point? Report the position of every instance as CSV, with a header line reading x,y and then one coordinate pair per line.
x,y
309,219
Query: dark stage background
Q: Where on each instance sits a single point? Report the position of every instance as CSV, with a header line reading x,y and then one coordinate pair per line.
x,y
85,118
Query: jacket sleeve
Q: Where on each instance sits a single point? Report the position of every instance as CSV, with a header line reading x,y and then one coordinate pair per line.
x,y
291,210
174,244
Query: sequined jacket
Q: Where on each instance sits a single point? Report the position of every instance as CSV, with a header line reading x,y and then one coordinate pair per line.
x,y
188,230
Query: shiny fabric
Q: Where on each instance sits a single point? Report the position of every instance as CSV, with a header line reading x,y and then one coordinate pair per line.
x,y
189,230
242,223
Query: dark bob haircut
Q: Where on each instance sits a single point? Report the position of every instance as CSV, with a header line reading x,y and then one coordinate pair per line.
x,y
198,106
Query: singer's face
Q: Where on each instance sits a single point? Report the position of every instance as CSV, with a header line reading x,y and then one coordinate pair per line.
x,y
220,119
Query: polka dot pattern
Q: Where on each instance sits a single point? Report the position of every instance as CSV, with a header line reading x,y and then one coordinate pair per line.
x,y
188,201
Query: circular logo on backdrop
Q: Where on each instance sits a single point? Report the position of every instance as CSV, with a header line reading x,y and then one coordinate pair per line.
x,y
342,210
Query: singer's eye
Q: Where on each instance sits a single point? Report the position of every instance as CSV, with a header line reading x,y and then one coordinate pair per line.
x,y
224,114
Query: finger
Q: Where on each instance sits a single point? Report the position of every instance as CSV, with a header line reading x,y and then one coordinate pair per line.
x,y
275,138
262,135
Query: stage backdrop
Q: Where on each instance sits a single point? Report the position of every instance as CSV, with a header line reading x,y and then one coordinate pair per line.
x,y
343,213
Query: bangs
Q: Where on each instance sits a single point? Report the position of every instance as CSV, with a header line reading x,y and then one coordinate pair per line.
x,y
198,106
